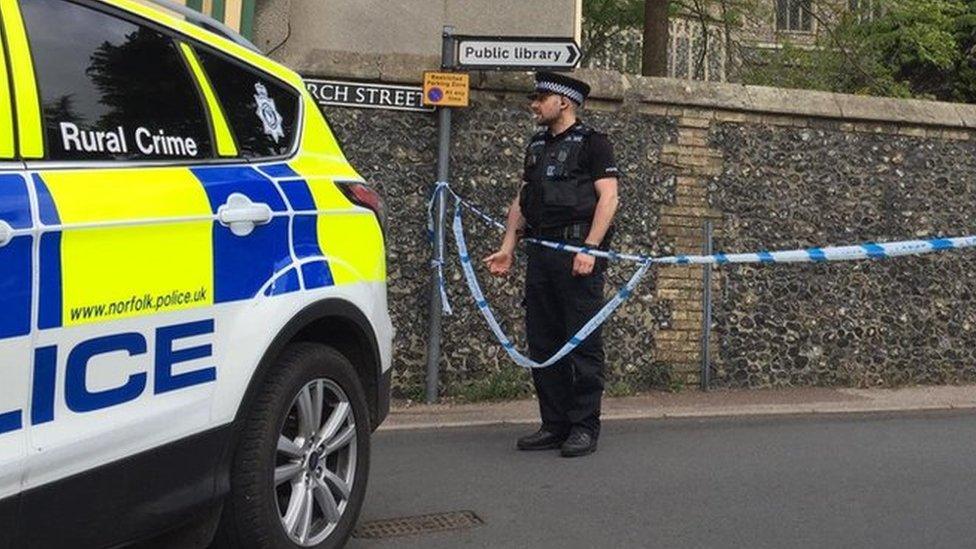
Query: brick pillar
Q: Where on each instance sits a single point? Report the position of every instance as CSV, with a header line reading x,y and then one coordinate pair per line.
x,y
682,224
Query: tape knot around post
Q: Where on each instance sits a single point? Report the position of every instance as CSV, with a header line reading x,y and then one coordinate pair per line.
x,y
440,188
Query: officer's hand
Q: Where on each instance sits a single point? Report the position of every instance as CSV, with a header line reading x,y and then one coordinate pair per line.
x,y
583,264
500,263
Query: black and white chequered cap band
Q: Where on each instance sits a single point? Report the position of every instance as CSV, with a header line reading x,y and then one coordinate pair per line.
x,y
561,89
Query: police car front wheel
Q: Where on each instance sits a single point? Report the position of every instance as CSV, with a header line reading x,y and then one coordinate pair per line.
x,y
299,473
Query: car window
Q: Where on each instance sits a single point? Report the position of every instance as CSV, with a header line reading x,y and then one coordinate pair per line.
x,y
112,89
262,112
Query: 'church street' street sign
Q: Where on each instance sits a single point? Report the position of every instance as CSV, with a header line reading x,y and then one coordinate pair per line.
x,y
367,95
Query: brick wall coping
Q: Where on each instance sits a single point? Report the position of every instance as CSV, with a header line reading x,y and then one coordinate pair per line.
x,y
614,86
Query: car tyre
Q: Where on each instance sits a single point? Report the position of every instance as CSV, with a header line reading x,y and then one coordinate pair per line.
x,y
298,477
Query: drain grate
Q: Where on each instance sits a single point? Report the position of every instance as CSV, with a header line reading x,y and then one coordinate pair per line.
x,y
423,524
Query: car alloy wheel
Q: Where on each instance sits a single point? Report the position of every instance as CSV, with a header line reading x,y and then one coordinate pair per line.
x,y
315,462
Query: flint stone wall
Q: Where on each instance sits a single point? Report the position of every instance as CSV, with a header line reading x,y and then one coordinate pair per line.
x,y
774,169
874,323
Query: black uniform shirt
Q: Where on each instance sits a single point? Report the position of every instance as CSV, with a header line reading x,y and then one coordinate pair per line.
x,y
597,154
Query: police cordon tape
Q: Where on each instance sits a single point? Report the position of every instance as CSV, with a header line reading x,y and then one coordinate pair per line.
x,y
869,250
438,261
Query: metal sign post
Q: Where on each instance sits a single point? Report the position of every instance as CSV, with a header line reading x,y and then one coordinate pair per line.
x,y
443,172
706,309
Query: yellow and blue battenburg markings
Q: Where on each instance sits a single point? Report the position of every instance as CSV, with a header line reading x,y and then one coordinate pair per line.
x,y
112,250
109,249
306,247
50,309
104,237
108,246
353,242
15,259
242,265
15,274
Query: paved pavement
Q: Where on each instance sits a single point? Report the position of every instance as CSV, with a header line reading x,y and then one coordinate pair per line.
x,y
692,403
840,480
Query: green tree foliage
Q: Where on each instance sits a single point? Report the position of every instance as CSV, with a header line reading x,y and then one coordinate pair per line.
x,y
722,19
914,42
898,48
901,48
964,80
603,20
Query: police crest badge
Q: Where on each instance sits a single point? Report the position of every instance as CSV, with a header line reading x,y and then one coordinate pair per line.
x,y
268,113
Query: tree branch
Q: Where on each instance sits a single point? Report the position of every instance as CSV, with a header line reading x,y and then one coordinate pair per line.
x,y
700,67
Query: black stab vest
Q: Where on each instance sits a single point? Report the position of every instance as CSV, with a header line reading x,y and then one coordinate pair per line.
x,y
559,191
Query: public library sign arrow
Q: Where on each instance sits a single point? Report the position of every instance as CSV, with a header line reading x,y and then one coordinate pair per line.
x,y
516,53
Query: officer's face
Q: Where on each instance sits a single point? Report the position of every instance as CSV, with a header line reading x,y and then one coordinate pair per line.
x,y
546,108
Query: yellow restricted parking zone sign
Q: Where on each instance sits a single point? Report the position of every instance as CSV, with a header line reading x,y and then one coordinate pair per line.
x,y
446,89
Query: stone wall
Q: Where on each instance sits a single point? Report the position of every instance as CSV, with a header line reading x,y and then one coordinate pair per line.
x,y
772,168
796,169
892,322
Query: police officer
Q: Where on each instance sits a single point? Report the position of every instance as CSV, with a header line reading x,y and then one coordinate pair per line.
x,y
569,194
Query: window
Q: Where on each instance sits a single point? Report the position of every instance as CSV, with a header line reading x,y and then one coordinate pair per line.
x,y
262,112
865,11
112,89
794,15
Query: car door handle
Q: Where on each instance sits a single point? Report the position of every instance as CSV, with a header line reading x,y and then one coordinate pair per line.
x,y
6,233
242,215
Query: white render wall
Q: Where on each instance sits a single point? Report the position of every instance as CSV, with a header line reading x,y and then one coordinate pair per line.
x,y
395,40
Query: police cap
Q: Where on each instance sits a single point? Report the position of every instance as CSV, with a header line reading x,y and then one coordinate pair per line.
x,y
551,82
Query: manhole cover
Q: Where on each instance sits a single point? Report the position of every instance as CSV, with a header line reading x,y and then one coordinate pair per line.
x,y
423,524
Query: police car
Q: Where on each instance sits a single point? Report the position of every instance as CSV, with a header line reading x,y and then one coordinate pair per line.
x,y
194,334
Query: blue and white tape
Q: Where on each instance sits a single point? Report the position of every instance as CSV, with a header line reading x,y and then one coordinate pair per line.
x,y
479,298
869,250
438,262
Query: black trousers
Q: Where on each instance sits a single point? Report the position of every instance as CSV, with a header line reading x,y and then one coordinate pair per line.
x,y
558,304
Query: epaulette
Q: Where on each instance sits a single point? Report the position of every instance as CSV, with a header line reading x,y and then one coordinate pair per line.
x,y
584,130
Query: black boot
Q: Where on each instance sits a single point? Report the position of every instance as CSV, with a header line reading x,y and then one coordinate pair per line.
x,y
540,440
579,443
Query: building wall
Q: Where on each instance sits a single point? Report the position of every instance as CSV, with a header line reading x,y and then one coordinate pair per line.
x,y
395,40
759,29
237,14
757,34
